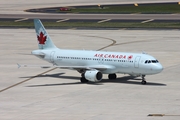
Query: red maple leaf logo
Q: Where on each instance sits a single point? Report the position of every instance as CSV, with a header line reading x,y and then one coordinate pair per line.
x,y
41,38
130,57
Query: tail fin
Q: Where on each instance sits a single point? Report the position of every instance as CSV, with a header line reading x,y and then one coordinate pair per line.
x,y
44,41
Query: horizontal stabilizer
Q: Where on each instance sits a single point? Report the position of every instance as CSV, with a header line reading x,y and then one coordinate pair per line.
x,y
41,66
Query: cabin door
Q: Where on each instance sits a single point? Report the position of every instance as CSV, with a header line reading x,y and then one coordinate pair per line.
x,y
136,62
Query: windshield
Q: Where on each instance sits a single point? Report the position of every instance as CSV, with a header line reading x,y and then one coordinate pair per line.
x,y
151,61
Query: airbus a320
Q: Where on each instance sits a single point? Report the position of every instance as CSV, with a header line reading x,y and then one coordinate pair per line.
x,y
93,64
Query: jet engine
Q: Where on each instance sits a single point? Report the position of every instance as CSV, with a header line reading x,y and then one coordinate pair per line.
x,y
93,75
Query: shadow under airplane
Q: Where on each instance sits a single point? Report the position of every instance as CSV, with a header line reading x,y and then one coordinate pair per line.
x,y
123,80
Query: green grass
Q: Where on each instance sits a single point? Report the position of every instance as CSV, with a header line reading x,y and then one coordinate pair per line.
x,y
155,9
16,24
93,24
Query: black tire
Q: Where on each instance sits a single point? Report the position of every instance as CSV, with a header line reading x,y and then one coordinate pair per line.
x,y
143,82
112,76
83,80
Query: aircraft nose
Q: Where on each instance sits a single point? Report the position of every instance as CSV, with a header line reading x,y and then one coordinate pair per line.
x,y
158,68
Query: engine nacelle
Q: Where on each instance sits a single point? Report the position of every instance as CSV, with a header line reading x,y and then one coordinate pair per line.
x,y
93,75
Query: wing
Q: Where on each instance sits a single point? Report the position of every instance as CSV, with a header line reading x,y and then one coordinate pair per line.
x,y
97,67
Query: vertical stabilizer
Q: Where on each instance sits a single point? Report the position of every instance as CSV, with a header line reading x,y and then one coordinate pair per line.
x,y
44,41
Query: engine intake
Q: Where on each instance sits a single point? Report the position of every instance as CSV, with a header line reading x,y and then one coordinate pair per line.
x,y
93,75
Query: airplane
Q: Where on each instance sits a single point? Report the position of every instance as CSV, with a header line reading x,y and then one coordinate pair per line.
x,y
93,64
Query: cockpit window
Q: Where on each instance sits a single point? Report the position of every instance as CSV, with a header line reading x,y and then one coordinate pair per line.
x,y
151,61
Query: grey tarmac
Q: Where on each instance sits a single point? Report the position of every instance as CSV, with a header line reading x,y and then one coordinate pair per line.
x,y
58,94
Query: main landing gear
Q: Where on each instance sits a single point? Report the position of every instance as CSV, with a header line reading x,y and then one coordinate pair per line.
x,y
143,80
112,76
83,79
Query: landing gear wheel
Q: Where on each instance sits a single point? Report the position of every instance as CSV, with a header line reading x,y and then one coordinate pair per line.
x,y
143,80
83,80
112,76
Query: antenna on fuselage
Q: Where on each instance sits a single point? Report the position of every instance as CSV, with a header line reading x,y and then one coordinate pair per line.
x,y
144,52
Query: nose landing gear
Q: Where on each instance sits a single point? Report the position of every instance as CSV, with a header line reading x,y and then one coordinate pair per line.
x,y
143,80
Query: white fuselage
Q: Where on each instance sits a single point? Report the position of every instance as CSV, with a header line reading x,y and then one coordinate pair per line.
x,y
116,62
